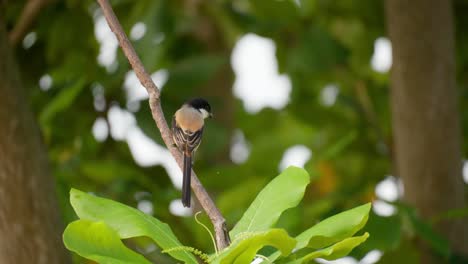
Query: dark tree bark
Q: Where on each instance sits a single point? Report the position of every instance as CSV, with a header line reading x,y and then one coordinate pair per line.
x,y
426,126
30,229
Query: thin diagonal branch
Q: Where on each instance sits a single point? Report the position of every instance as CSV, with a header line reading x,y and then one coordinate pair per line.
x,y
219,223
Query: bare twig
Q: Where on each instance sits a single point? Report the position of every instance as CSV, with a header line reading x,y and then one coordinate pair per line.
x,y
28,15
219,223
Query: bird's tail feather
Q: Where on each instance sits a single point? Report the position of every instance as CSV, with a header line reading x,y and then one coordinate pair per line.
x,y
186,180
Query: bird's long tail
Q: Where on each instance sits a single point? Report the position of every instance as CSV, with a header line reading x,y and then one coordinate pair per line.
x,y
186,180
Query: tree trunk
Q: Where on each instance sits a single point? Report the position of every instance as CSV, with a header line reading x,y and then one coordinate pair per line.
x,y
425,116
30,229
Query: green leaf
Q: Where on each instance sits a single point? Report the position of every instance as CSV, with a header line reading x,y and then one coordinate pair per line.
x,y
61,102
127,222
283,192
244,249
335,228
338,250
332,229
98,242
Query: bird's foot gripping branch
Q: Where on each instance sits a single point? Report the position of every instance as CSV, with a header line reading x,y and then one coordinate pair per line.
x,y
103,223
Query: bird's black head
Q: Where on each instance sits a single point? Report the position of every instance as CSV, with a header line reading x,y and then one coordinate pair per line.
x,y
200,104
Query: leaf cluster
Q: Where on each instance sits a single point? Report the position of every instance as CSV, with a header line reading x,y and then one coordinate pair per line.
x,y
104,223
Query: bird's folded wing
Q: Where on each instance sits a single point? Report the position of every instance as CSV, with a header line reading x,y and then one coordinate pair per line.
x,y
190,140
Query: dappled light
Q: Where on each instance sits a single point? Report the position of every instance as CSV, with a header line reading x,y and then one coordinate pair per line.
x,y
465,172
138,31
45,82
325,132
100,129
295,156
108,43
258,83
382,58
176,208
29,40
239,148
329,94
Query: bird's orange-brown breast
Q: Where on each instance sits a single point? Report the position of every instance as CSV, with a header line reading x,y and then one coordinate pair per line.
x,y
189,119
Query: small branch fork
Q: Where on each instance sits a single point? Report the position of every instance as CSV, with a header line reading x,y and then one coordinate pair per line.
x,y
219,223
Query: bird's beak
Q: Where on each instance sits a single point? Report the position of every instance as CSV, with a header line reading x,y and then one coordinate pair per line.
x,y
210,115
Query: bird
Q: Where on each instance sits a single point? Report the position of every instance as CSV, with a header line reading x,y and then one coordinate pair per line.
x,y
188,123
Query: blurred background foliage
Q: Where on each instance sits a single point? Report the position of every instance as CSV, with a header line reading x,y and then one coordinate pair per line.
x,y
318,43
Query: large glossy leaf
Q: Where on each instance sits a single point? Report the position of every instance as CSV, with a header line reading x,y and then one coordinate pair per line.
x,y
335,251
98,242
283,192
335,228
244,250
127,222
332,229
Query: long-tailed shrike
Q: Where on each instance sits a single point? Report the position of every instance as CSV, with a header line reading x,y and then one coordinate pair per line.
x,y
187,130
